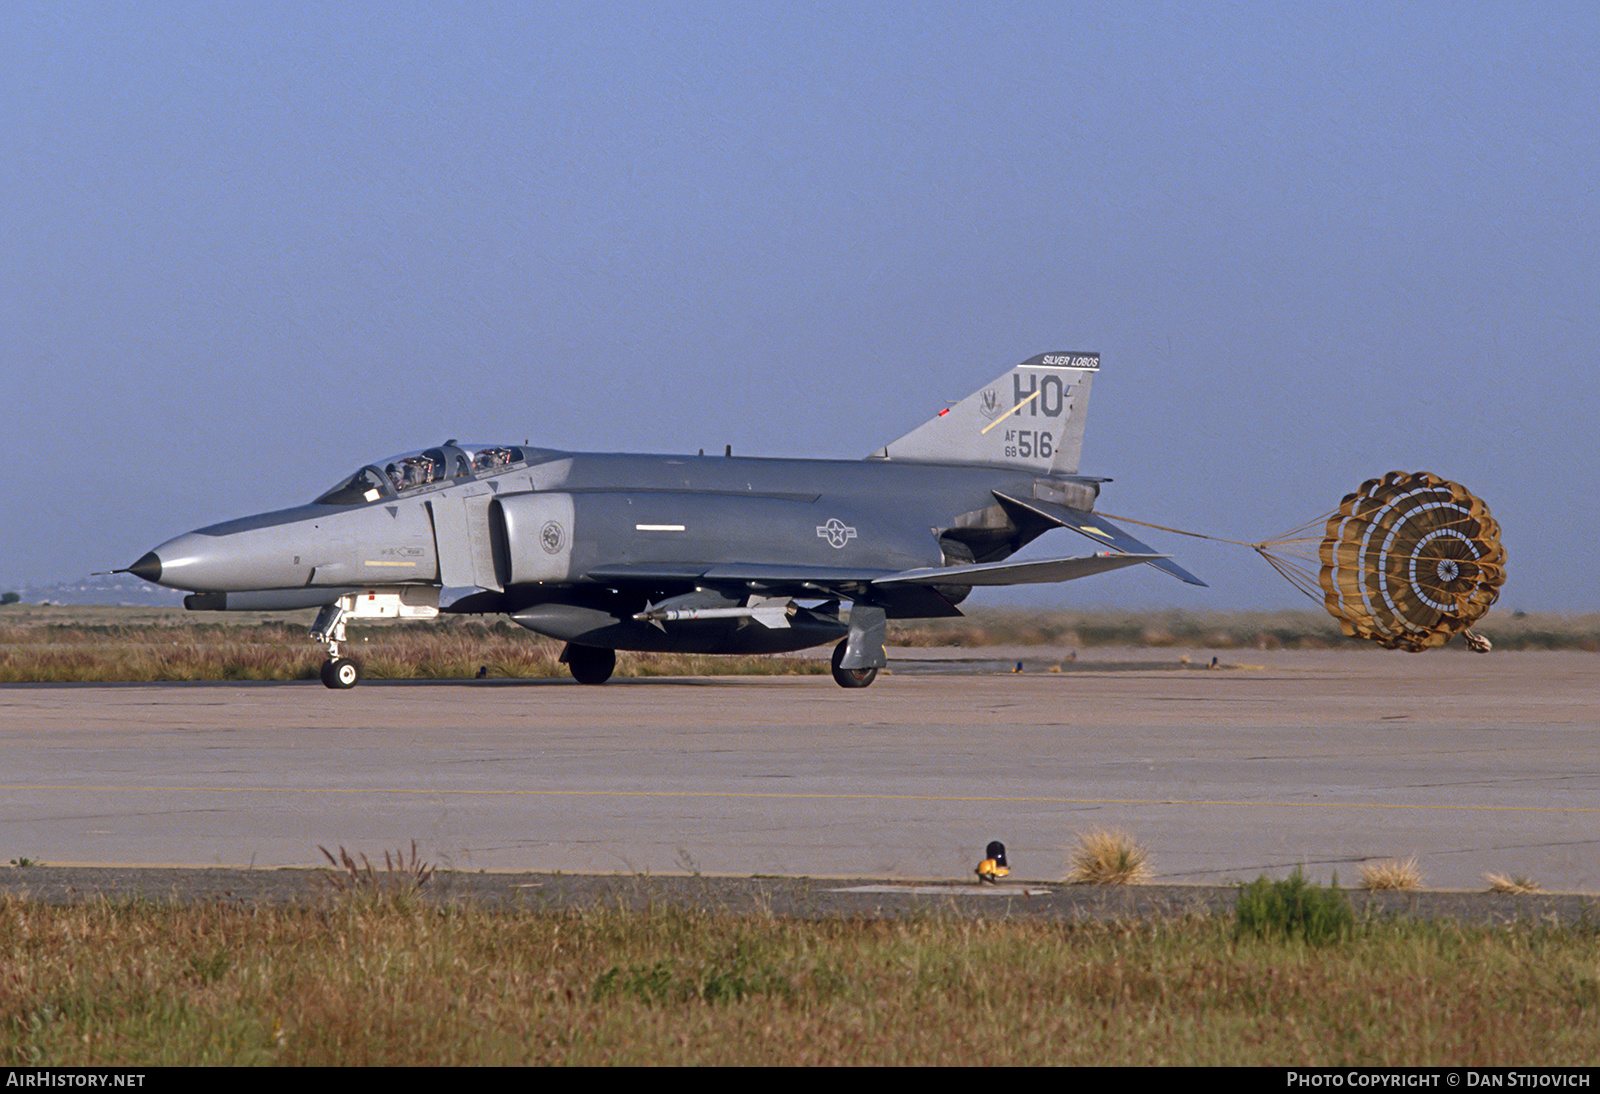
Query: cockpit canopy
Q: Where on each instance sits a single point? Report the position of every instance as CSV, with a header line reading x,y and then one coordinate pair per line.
x,y
412,471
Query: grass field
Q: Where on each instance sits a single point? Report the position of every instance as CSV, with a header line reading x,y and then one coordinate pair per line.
x,y
65,644
148,645
376,978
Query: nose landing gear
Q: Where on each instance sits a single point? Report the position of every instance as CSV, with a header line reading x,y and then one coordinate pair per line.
x,y
391,602
339,673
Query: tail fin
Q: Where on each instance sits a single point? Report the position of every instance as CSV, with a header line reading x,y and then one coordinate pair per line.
x,y
1032,417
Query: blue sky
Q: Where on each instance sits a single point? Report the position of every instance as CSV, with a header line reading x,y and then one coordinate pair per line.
x,y
249,247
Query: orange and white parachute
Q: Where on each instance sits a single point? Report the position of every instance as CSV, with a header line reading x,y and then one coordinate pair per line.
x,y
1408,561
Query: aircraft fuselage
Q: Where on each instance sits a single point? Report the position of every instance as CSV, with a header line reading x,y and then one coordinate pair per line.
x,y
580,519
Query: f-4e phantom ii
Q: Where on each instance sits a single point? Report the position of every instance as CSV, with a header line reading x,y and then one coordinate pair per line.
x,y
694,554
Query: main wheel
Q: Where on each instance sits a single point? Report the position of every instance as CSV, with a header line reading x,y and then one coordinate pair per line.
x,y
850,678
341,674
590,664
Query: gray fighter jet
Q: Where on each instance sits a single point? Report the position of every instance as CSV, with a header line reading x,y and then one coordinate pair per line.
x,y
702,554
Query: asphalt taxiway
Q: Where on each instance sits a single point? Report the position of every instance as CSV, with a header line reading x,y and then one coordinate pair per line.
x,y
1328,760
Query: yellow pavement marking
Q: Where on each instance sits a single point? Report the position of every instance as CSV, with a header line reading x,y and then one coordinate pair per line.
x,y
771,796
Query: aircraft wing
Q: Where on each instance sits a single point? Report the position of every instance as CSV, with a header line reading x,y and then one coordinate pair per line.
x,y
909,593
757,572
1016,573
844,579
1099,529
822,582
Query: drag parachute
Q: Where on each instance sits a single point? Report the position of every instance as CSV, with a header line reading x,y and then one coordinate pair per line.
x,y
1410,560
1407,561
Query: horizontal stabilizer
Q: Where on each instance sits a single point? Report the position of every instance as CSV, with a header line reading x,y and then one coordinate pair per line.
x,y
1100,530
1016,573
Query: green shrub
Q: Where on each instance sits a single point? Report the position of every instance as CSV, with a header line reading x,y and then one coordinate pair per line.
x,y
1293,908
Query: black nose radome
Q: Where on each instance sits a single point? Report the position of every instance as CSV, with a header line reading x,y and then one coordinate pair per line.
x,y
148,567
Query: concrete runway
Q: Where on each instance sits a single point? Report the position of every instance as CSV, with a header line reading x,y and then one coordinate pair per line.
x,y
1470,763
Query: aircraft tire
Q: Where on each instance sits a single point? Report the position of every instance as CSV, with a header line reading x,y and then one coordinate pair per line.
x,y
340,674
850,678
591,664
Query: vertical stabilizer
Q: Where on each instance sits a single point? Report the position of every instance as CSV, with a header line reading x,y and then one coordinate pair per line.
x,y
1032,417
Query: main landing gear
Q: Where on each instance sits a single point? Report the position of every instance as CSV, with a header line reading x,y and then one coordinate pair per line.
x,y
850,678
858,658
589,664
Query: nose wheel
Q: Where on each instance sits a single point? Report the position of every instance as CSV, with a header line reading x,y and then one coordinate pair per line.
x,y
340,673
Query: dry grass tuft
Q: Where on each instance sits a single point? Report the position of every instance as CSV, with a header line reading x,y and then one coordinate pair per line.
x,y
1500,883
1391,874
400,874
1107,856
